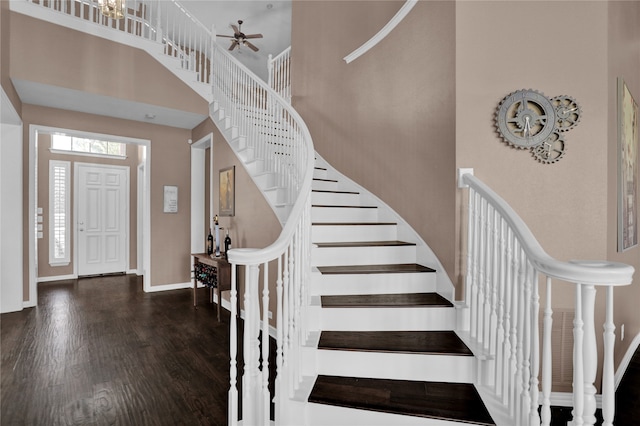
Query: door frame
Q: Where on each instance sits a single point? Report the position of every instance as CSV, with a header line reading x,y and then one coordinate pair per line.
x,y
198,157
76,183
34,129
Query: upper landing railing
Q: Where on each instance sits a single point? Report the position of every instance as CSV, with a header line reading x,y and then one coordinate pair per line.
x,y
504,264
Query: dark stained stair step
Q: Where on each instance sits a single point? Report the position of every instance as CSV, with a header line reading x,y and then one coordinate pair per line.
x,y
436,400
406,300
364,244
375,269
335,192
415,342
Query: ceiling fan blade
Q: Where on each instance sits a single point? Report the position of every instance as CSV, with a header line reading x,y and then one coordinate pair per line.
x,y
253,36
251,46
220,35
235,29
234,43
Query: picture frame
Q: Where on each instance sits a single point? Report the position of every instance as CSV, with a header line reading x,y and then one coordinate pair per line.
x,y
170,199
627,168
227,191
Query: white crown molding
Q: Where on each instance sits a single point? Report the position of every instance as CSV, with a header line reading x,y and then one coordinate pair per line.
x,y
398,17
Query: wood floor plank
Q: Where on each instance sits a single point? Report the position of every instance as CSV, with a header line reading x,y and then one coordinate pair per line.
x,y
100,351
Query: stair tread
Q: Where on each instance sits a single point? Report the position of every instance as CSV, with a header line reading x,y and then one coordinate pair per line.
x,y
335,192
326,180
385,300
344,206
353,223
437,400
343,244
375,269
414,342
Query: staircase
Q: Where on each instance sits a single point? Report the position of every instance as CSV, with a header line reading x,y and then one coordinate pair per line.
x,y
365,326
383,342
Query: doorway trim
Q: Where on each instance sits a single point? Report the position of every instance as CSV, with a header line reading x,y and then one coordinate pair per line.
x,y
198,157
34,129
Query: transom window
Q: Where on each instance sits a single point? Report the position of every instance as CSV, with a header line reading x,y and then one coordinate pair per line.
x,y
86,146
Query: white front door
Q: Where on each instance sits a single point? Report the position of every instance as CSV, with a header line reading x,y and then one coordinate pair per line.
x,y
102,218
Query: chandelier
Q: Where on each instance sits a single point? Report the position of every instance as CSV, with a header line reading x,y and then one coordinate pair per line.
x,y
112,8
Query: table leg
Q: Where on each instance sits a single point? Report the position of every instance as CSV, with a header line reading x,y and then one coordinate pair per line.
x,y
195,284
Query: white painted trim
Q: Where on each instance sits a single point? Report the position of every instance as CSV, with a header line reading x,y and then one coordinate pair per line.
x,y
368,45
57,278
31,216
168,287
198,161
622,367
140,190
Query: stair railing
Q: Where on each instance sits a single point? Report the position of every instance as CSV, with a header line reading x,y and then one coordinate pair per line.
x,y
503,266
279,68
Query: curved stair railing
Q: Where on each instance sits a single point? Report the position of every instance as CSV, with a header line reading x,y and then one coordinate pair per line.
x,y
504,264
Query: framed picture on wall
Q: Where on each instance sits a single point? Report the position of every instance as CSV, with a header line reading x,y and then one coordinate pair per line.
x,y
227,191
170,201
627,168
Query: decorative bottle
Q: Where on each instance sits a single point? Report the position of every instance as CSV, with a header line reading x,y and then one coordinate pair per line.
x,y
217,230
227,245
209,242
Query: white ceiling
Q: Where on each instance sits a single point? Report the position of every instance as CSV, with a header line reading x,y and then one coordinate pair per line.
x,y
270,18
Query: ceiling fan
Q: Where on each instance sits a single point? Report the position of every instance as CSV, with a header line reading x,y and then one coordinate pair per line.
x,y
240,39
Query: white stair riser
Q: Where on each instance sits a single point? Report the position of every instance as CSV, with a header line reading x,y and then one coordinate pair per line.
x,y
335,198
323,415
388,319
342,256
246,154
343,214
399,366
319,173
277,195
337,284
265,180
325,185
255,169
344,233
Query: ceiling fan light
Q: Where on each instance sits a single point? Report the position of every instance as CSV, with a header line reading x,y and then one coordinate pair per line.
x,y
112,8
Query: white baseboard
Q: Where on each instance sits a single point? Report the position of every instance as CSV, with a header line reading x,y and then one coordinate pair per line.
x,y
57,278
167,287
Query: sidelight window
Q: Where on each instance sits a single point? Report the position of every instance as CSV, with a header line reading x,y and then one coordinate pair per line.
x,y
59,187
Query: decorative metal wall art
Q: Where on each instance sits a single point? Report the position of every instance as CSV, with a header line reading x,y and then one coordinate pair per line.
x,y
526,119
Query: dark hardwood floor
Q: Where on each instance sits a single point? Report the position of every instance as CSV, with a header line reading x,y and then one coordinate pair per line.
x,y
100,351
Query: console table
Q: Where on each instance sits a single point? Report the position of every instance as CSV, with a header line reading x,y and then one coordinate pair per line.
x,y
213,272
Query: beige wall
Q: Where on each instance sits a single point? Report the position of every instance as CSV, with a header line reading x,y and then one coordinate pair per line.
x,y
84,62
5,57
44,156
387,120
170,159
624,61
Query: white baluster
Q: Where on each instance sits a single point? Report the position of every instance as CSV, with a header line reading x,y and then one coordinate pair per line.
x,y
279,390
578,365
233,350
535,352
608,389
590,353
266,400
547,366
507,388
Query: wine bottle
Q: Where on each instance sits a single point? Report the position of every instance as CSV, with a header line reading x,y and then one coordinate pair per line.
x,y
217,228
209,242
227,245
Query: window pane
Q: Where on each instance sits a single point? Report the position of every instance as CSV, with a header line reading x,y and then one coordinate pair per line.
x,y
61,142
99,147
80,145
